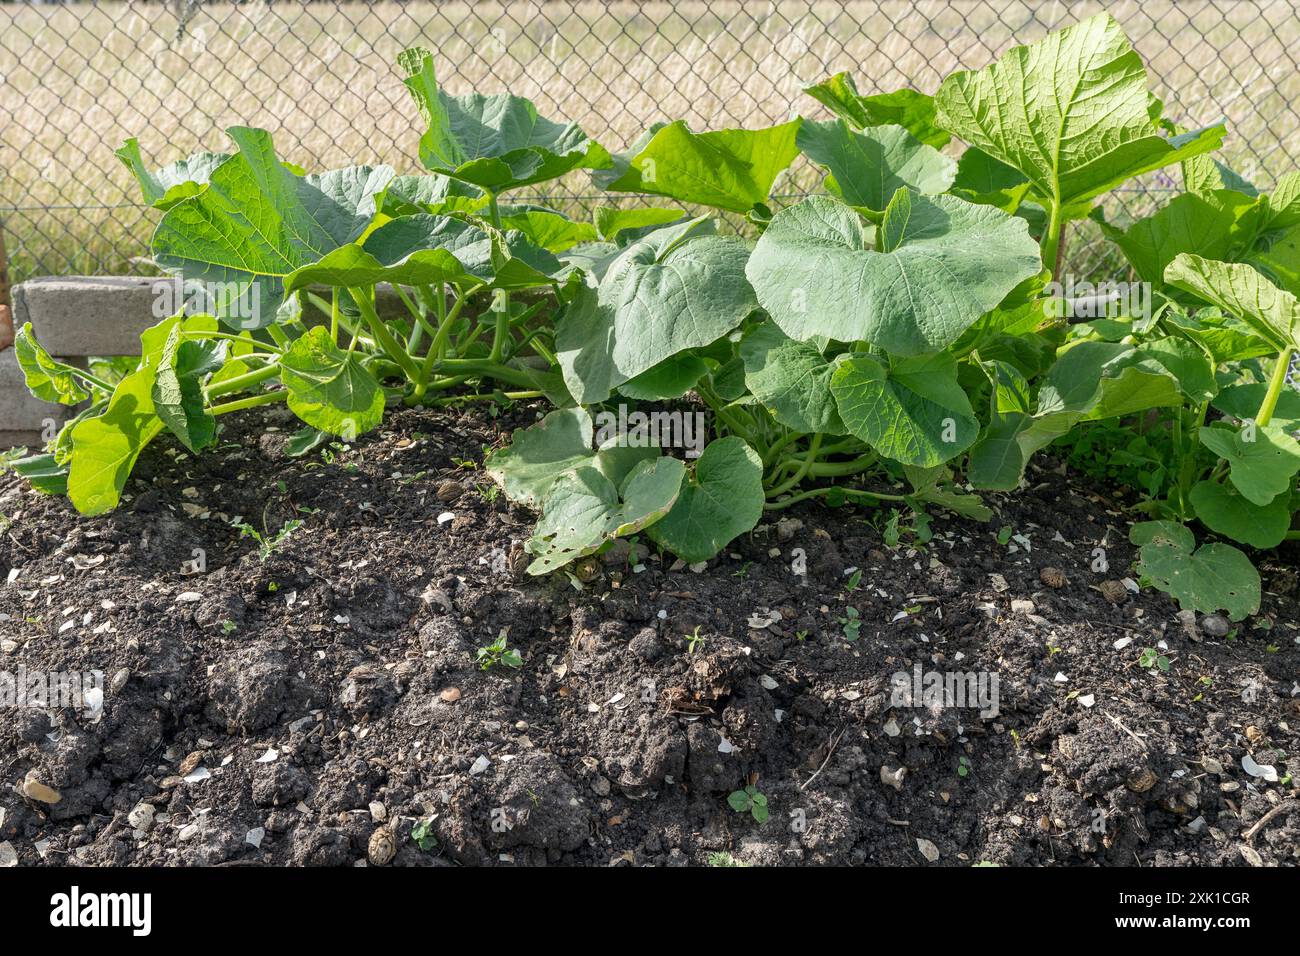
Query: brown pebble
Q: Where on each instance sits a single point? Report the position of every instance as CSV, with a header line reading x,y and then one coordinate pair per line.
x,y
587,569
450,695
450,490
189,763
1053,577
382,847
1114,591
1141,781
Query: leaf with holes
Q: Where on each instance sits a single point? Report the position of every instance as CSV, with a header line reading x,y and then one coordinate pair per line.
x,y
723,499
1214,577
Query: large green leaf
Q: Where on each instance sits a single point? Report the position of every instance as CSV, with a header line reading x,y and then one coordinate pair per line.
x,y
47,379
730,169
612,221
1242,402
1225,512
548,230
867,167
1262,462
1243,291
912,410
165,187
106,446
1071,112
257,222
495,142
723,499
1089,381
792,379
942,263
1214,577
330,389
1224,337
907,108
1188,223
673,290
178,385
988,181
559,443
584,509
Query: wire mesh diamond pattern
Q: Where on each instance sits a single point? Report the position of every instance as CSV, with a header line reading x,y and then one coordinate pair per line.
x,y
79,78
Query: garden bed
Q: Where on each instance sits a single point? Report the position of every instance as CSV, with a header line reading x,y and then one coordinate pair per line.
x,y
304,701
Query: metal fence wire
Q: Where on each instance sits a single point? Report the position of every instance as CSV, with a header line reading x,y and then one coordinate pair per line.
x,y
76,79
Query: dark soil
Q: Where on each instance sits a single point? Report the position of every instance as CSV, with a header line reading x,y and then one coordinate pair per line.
x,y
332,688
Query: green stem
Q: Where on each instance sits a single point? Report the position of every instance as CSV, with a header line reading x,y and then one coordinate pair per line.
x,y
385,338
1269,405
241,382
802,470
816,492
1052,240
90,379
266,398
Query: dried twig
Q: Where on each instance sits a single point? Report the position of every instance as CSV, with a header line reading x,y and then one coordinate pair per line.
x,y
835,742
1284,807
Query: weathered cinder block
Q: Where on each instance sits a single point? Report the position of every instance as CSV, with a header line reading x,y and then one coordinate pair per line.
x,y
87,315
104,315
23,417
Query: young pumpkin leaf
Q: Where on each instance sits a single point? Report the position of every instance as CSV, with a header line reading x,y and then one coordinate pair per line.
x,y
257,222
496,142
168,186
1225,512
106,447
559,443
793,379
1071,112
43,472
1214,577
723,499
731,169
330,389
47,379
867,167
432,194
1188,223
584,509
1243,291
912,410
1224,337
989,182
177,392
942,264
1242,402
671,291
1262,462
671,378
907,108
548,230
612,221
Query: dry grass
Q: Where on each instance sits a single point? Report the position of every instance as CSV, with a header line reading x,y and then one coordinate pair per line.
x,y
79,78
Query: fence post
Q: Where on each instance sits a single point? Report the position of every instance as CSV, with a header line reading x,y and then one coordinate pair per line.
x,y
6,304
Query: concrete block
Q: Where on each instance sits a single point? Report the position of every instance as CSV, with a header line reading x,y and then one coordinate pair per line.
x,y
87,315
21,413
104,315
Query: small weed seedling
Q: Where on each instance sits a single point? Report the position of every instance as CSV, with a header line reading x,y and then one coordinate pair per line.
x,y
498,653
422,835
1153,658
694,640
750,801
266,545
851,623
724,859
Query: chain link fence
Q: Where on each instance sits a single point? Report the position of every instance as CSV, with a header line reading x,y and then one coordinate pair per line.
x,y
79,78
